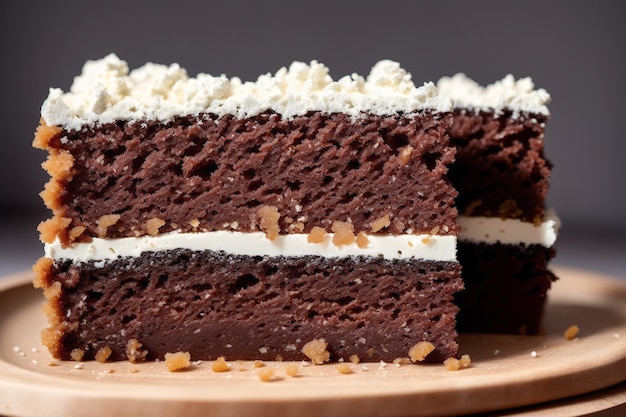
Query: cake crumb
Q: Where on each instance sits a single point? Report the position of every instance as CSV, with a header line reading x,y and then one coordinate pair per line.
x,y
266,374
48,228
401,361
469,210
343,233
466,361
344,368
454,364
292,369
571,332
104,222
316,351
40,269
77,354
380,223
53,291
355,359
361,240
44,134
76,231
534,354
220,365
134,353
316,235
103,354
258,364
268,217
509,208
297,226
194,223
177,361
153,225
420,350
405,154
59,165
134,370
50,194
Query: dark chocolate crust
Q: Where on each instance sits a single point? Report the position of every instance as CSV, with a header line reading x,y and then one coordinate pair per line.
x,y
212,304
209,173
506,287
500,168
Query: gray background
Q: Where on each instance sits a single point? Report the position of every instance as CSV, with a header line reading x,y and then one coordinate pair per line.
x,y
573,49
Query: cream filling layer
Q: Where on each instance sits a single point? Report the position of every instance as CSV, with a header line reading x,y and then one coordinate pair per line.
x,y
407,246
510,231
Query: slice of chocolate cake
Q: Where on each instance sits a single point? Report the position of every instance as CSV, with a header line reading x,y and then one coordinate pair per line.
x,y
245,220
502,177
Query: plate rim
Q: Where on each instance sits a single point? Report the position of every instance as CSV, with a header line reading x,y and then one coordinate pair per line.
x,y
22,279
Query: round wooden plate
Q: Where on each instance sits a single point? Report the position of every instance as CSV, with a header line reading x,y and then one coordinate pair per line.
x,y
506,370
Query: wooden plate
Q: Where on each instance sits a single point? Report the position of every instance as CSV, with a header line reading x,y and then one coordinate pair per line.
x,y
506,371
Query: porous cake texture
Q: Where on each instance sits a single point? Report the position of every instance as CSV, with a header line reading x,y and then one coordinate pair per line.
x,y
245,219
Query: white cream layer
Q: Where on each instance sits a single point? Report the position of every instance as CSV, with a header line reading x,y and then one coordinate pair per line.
x,y
510,231
427,247
508,93
106,91
435,248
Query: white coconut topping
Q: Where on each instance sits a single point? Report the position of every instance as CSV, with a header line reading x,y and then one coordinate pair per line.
x,y
515,95
106,91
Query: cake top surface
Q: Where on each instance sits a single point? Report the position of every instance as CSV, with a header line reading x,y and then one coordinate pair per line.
x,y
515,95
106,91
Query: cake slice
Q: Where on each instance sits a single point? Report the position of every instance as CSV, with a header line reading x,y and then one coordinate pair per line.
x,y
502,176
246,219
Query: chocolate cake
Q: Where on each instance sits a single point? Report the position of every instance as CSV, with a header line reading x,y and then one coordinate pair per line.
x,y
246,219
502,176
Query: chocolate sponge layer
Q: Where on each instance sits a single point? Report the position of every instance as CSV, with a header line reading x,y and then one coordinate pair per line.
x,y
500,168
209,173
213,304
506,287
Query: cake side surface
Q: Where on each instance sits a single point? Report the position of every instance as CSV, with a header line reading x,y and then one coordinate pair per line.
x,y
506,287
503,177
501,169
